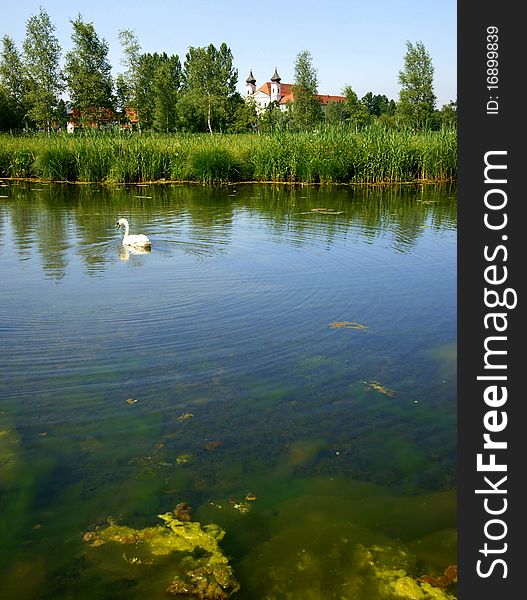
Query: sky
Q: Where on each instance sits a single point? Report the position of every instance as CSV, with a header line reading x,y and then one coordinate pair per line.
x,y
356,43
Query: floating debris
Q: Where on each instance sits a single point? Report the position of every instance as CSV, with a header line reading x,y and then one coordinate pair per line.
x,y
131,401
378,387
185,417
4,196
142,196
201,570
250,497
348,325
135,560
183,458
242,507
211,445
326,211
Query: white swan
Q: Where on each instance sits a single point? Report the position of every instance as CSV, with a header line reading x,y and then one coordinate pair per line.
x,y
139,240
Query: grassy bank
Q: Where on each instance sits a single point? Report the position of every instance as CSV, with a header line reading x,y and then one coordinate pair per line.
x,y
335,155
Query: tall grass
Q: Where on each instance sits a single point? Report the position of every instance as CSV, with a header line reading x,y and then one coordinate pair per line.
x,y
331,155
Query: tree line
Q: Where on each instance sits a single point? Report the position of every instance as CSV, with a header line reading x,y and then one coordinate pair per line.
x,y
159,92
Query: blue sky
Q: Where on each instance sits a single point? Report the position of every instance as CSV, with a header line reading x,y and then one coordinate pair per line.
x,y
355,43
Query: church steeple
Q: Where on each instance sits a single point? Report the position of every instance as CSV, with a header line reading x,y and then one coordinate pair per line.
x,y
275,86
250,83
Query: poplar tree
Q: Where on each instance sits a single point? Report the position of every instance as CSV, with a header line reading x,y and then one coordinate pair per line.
x,y
44,78
165,91
88,72
210,82
306,108
416,97
127,83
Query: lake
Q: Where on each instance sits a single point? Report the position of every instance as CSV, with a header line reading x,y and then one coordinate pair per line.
x,y
283,361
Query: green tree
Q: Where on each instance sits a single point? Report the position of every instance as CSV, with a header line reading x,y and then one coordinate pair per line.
x,y
165,92
44,78
157,85
210,82
88,72
335,112
246,115
355,111
127,83
8,118
449,114
13,85
306,110
378,104
416,97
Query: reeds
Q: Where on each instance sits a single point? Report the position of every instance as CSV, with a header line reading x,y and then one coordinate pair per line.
x,y
331,155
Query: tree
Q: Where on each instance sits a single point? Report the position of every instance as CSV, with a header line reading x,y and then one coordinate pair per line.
x,y
449,114
246,115
127,83
165,91
356,112
378,104
88,72
12,84
210,81
306,108
416,97
157,86
335,112
44,79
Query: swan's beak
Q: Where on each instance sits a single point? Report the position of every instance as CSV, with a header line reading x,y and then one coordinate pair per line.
x,y
117,226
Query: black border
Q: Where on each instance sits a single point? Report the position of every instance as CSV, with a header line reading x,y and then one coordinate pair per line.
x,y
480,132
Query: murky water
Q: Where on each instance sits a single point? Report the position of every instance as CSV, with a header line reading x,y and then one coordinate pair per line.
x,y
288,372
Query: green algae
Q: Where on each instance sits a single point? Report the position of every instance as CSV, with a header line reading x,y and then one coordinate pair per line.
x,y
197,566
393,580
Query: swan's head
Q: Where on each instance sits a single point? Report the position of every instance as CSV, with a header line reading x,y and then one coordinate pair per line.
x,y
121,223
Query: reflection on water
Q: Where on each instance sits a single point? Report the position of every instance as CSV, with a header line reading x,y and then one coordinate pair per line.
x,y
125,252
228,319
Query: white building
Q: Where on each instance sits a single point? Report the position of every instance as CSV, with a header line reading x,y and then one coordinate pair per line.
x,y
276,91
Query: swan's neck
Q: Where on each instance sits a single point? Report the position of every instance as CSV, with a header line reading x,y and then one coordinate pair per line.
x,y
126,229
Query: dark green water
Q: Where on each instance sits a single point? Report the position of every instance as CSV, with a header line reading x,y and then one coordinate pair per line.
x,y
229,319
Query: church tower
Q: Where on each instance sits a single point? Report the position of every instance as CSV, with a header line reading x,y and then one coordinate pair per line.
x,y
250,84
275,86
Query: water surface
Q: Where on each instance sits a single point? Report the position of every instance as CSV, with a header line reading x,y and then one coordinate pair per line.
x,y
345,435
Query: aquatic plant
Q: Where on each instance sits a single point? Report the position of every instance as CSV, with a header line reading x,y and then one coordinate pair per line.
x,y
395,581
331,155
198,567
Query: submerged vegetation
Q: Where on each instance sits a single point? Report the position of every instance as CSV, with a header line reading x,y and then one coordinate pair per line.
x,y
196,565
329,155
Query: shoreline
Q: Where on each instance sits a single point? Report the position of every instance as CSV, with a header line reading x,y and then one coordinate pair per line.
x,y
162,182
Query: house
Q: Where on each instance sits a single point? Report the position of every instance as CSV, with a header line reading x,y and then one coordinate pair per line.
x,y
101,118
95,118
281,93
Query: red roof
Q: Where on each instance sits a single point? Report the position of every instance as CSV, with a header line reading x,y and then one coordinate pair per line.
x,y
287,95
324,99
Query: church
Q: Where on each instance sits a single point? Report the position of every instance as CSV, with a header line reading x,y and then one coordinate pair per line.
x,y
281,93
